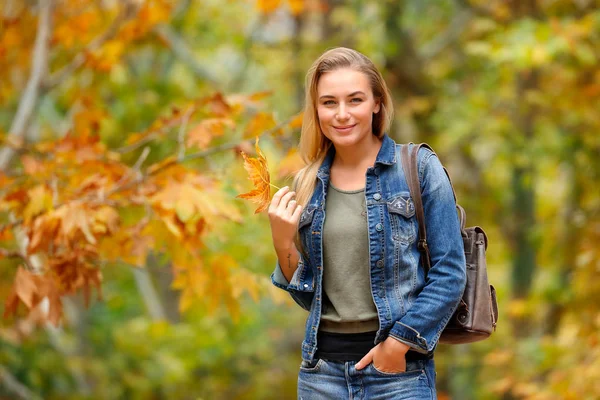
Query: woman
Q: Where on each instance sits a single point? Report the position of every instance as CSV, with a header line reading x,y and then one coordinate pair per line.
x,y
374,320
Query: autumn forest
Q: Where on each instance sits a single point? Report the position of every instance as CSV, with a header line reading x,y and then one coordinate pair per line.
x,y
132,267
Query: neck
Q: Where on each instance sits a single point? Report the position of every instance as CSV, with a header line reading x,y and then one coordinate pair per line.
x,y
362,156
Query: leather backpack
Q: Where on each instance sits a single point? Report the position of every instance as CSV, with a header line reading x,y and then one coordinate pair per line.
x,y
476,316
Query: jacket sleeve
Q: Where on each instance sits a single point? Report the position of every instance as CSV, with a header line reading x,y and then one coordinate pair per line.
x,y
301,287
424,321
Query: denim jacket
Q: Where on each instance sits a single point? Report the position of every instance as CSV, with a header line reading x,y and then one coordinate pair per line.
x,y
410,308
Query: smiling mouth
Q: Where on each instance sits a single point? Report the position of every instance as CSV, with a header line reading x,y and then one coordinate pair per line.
x,y
345,127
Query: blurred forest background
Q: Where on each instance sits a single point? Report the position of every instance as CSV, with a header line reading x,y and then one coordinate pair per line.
x,y
129,270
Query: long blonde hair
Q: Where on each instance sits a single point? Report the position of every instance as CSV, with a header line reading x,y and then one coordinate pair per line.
x,y
313,143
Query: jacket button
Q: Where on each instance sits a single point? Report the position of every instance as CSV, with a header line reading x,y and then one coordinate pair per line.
x,y
306,285
377,196
379,263
379,227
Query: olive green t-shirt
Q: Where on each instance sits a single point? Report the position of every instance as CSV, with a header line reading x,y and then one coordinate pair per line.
x,y
348,305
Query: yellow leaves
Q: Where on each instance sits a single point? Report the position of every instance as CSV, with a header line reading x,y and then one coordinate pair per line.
x,y
105,220
261,122
150,14
154,12
40,199
202,134
267,6
27,203
217,116
216,281
4,180
270,6
31,166
296,122
131,244
290,164
16,43
31,289
188,207
296,6
75,29
155,168
216,105
258,172
107,56
73,222
5,234
77,201
519,308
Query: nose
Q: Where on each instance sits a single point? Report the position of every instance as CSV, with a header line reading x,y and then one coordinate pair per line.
x,y
342,112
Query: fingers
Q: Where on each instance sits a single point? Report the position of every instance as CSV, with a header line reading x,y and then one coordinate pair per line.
x,y
277,197
291,207
366,360
283,204
296,214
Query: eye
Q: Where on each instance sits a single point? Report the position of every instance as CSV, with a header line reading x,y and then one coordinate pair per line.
x,y
328,102
356,100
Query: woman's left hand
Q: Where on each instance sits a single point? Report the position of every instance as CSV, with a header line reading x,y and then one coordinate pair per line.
x,y
387,356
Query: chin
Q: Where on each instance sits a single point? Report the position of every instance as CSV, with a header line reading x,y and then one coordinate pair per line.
x,y
345,140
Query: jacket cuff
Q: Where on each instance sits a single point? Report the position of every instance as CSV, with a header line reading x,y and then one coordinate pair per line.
x,y
279,280
409,336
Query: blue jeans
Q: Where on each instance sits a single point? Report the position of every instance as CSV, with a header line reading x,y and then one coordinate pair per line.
x,y
337,380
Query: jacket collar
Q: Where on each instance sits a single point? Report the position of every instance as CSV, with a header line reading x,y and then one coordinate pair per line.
x,y
386,156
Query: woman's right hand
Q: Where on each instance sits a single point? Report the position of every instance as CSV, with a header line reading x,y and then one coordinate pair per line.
x,y
284,215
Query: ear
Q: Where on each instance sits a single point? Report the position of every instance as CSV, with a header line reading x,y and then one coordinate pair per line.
x,y
377,106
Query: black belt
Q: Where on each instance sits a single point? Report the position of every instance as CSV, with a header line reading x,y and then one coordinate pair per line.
x,y
353,346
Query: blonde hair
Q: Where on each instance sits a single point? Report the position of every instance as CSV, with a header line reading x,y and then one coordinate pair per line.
x,y
313,143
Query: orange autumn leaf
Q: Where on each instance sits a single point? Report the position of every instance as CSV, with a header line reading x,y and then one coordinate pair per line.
x,y
202,134
259,175
261,122
268,6
296,122
296,6
290,164
31,289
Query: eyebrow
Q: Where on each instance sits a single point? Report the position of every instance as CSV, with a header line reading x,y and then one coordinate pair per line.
x,y
328,96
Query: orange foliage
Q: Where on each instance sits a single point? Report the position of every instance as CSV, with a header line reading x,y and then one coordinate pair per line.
x,y
69,208
202,134
31,290
76,205
261,122
259,175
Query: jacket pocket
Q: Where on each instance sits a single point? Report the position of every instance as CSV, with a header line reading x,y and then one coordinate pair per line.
x,y
401,211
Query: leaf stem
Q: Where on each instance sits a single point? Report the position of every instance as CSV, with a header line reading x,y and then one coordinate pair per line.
x,y
276,187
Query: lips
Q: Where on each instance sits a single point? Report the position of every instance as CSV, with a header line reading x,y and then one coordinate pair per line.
x,y
345,128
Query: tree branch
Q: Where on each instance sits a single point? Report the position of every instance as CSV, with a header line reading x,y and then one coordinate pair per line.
x,y
59,76
122,185
39,67
216,149
443,40
12,385
148,292
181,134
184,53
475,8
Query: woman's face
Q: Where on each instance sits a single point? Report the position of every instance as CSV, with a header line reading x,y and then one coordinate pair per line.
x,y
345,106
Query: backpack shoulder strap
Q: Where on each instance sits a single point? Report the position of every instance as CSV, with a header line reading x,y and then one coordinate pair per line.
x,y
410,165
411,172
